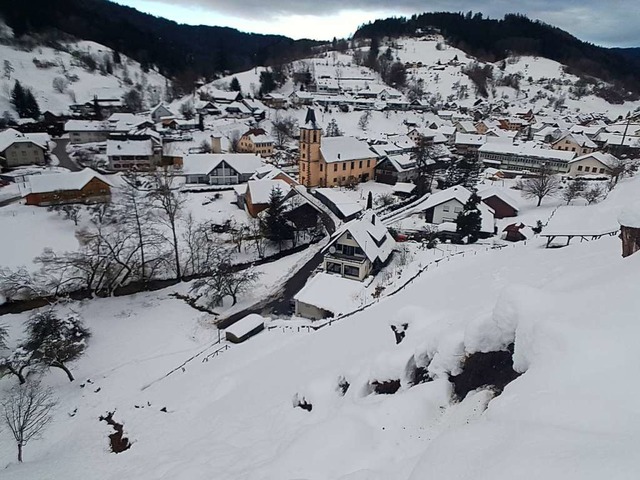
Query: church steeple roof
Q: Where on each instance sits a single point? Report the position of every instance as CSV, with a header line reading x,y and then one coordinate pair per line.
x,y
311,119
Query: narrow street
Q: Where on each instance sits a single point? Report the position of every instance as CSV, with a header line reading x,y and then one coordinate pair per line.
x,y
60,151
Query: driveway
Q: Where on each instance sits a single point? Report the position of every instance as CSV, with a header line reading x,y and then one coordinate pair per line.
x,y
60,151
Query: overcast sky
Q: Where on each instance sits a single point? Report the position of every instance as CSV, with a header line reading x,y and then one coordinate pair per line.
x,y
604,22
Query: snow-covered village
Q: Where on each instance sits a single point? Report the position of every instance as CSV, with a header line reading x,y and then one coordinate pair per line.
x,y
394,255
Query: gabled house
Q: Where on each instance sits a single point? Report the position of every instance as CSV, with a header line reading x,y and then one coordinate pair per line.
x,y
255,196
360,248
18,149
270,172
87,131
502,204
256,141
300,97
446,205
161,111
596,163
574,142
220,168
275,100
133,154
468,144
85,186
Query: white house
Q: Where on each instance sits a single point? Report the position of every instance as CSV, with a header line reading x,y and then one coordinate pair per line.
x,y
359,248
445,206
220,168
596,163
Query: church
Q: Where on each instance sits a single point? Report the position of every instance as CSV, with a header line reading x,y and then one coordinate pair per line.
x,y
333,161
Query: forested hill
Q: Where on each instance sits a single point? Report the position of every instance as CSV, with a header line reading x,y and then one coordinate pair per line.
x,y
177,50
495,39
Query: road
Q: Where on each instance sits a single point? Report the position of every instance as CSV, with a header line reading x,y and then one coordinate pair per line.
x,y
60,151
280,303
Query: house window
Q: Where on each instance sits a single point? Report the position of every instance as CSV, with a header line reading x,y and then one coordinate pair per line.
x,y
320,167
350,271
457,209
344,166
368,163
353,164
445,208
360,164
333,267
586,169
579,168
335,167
602,170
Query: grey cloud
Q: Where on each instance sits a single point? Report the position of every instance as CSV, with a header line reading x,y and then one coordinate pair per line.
x,y
605,22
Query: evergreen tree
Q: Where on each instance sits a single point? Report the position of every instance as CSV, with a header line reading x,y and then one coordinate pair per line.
x,y
275,226
235,85
32,109
332,129
18,99
469,220
267,82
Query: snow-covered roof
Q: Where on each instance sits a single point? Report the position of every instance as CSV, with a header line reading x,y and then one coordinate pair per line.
x,y
403,187
260,190
606,159
270,172
343,202
245,325
501,194
63,181
580,220
261,139
341,149
457,192
10,136
332,293
370,234
461,194
129,148
577,138
630,216
405,161
203,163
86,126
470,139
526,150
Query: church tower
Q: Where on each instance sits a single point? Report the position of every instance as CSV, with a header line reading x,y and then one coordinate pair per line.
x,y
310,162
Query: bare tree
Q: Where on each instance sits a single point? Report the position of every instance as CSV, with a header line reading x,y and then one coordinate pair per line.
x,y
541,186
27,411
137,210
574,190
284,129
234,141
17,363
60,84
4,333
69,211
224,280
254,232
363,123
168,200
19,284
594,194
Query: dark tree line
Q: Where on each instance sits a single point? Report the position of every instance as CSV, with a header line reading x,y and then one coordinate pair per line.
x,y
495,39
153,41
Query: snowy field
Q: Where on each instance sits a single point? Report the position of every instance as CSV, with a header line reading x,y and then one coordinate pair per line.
x,y
570,311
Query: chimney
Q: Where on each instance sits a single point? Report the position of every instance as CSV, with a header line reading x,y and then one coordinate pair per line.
x,y
338,156
373,219
216,145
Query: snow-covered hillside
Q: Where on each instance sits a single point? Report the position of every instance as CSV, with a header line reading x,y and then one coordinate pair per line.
x,y
78,79
571,312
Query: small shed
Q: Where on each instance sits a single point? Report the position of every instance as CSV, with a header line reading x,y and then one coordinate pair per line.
x,y
629,221
246,328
